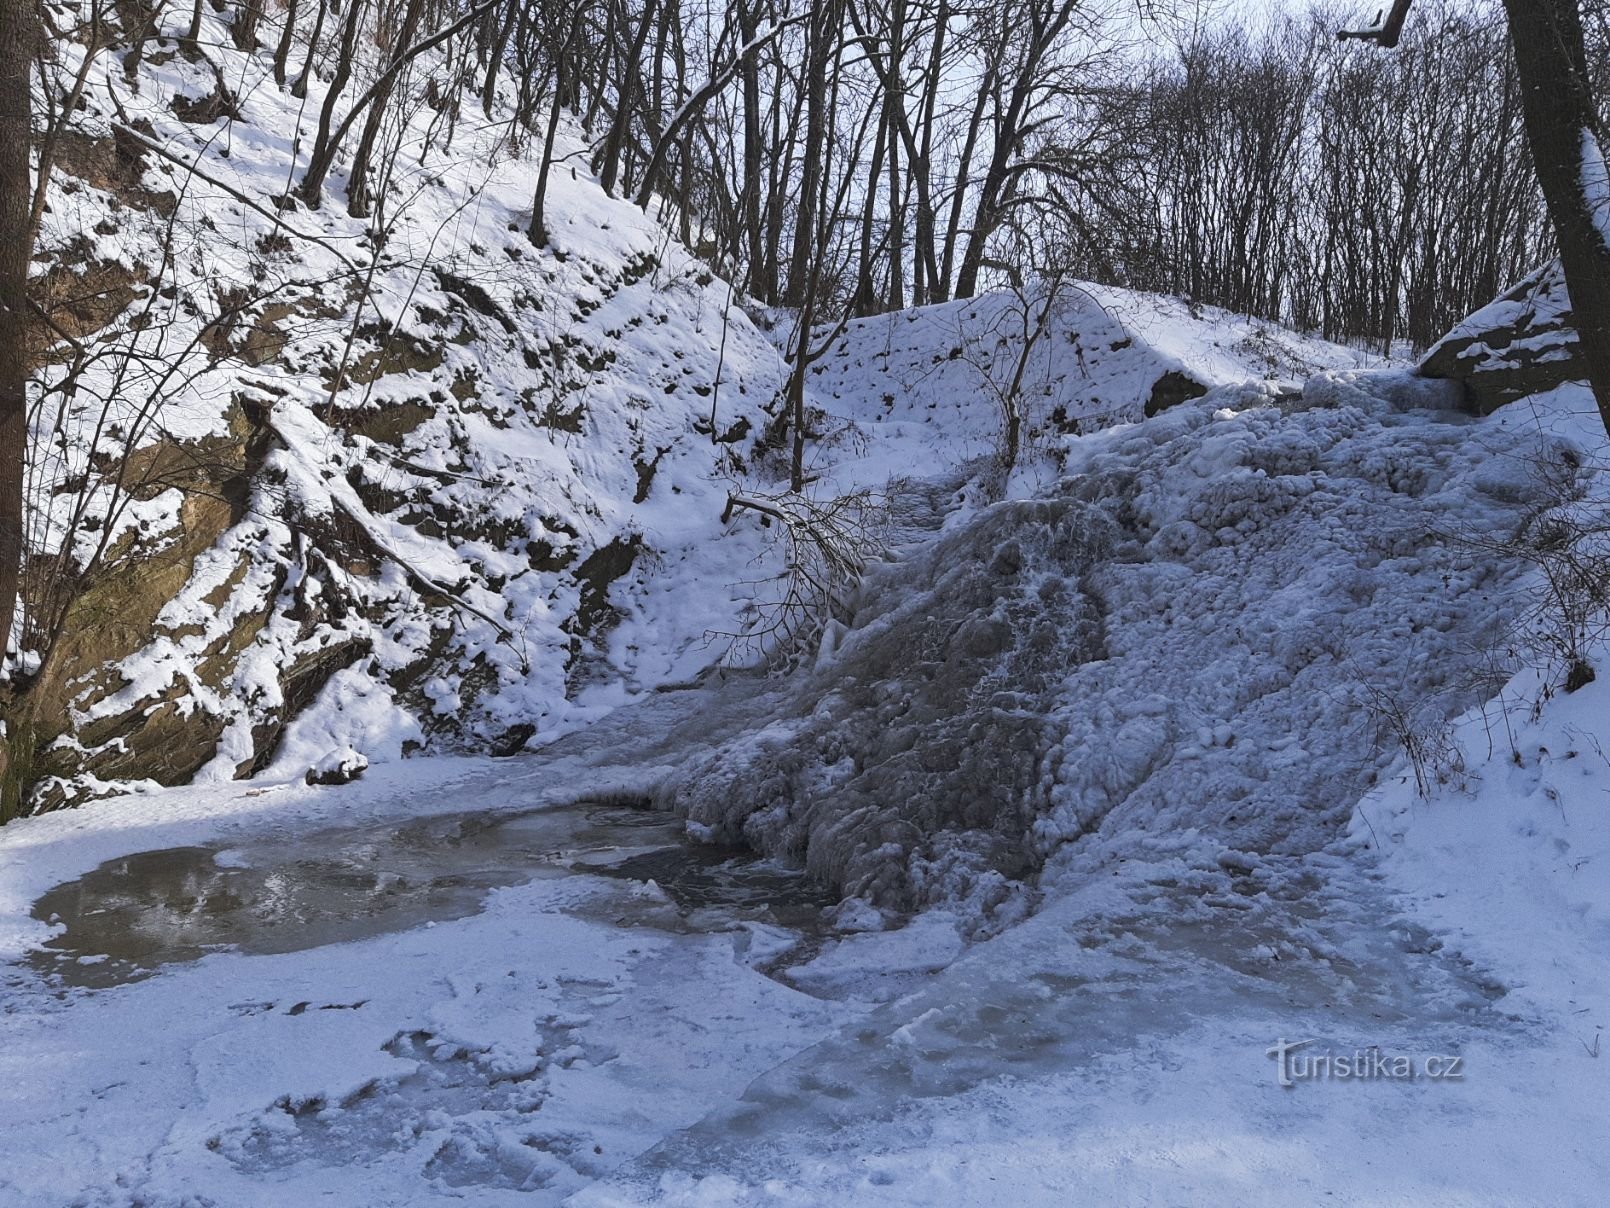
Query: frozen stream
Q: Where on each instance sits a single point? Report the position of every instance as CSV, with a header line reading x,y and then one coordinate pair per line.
x,y
136,913
411,1009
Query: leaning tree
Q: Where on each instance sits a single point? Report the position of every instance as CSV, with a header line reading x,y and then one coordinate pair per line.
x,y
1564,131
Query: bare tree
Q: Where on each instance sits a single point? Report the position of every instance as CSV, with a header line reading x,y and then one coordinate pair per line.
x,y
1386,29
1290,176
1563,126
331,133
19,40
358,175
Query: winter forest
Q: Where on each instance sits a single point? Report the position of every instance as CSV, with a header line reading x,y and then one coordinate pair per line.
x,y
804,602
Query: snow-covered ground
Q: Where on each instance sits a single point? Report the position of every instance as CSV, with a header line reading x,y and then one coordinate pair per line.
x,y
590,1037
918,392
1105,757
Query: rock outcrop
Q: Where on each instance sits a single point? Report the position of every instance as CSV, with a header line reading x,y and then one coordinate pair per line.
x,y
1522,343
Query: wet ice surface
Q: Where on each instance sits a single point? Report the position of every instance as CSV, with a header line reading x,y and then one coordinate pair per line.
x,y
1175,970
135,914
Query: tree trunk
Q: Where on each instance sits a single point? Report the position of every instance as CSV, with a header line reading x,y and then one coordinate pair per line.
x,y
608,168
823,29
939,287
282,49
1562,126
538,230
312,186
243,29
19,38
489,89
865,301
754,156
358,176
299,86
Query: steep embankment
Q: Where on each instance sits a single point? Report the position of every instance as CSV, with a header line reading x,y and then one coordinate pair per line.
x,y
411,467
924,392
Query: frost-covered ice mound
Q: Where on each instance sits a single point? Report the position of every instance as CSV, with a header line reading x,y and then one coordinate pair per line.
x,y
921,390
1201,638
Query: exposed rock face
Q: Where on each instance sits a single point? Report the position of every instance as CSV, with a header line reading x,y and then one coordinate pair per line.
x,y
158,736
1520,344
1172,389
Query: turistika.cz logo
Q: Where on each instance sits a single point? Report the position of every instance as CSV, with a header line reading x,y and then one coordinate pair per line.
x,y
1292,1065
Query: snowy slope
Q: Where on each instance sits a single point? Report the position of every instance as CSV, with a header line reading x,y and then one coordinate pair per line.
x,y
471,468
920,390
1121,1045
477,490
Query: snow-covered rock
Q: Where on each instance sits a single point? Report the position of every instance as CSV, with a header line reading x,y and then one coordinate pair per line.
x,y
1521,343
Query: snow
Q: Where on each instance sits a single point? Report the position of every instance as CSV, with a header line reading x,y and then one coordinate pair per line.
x,y
508,412
1196,636
525,1005
575,1039
500,408
1103,757
1596,184
913,393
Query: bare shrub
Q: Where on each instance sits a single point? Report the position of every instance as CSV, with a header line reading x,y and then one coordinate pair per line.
x,y
827,544
1565,538
1424,733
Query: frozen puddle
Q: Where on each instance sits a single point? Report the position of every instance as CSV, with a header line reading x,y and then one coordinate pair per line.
x,y
133,915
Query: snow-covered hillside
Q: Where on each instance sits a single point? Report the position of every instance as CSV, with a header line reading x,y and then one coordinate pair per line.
x,y
921,391
1237,725
455,491
458,469
1202,633
1211,889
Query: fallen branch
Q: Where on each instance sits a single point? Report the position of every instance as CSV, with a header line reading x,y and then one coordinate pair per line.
x,y
828,545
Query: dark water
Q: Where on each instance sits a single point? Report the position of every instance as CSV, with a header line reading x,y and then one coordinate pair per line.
x,y
129,917
716,879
